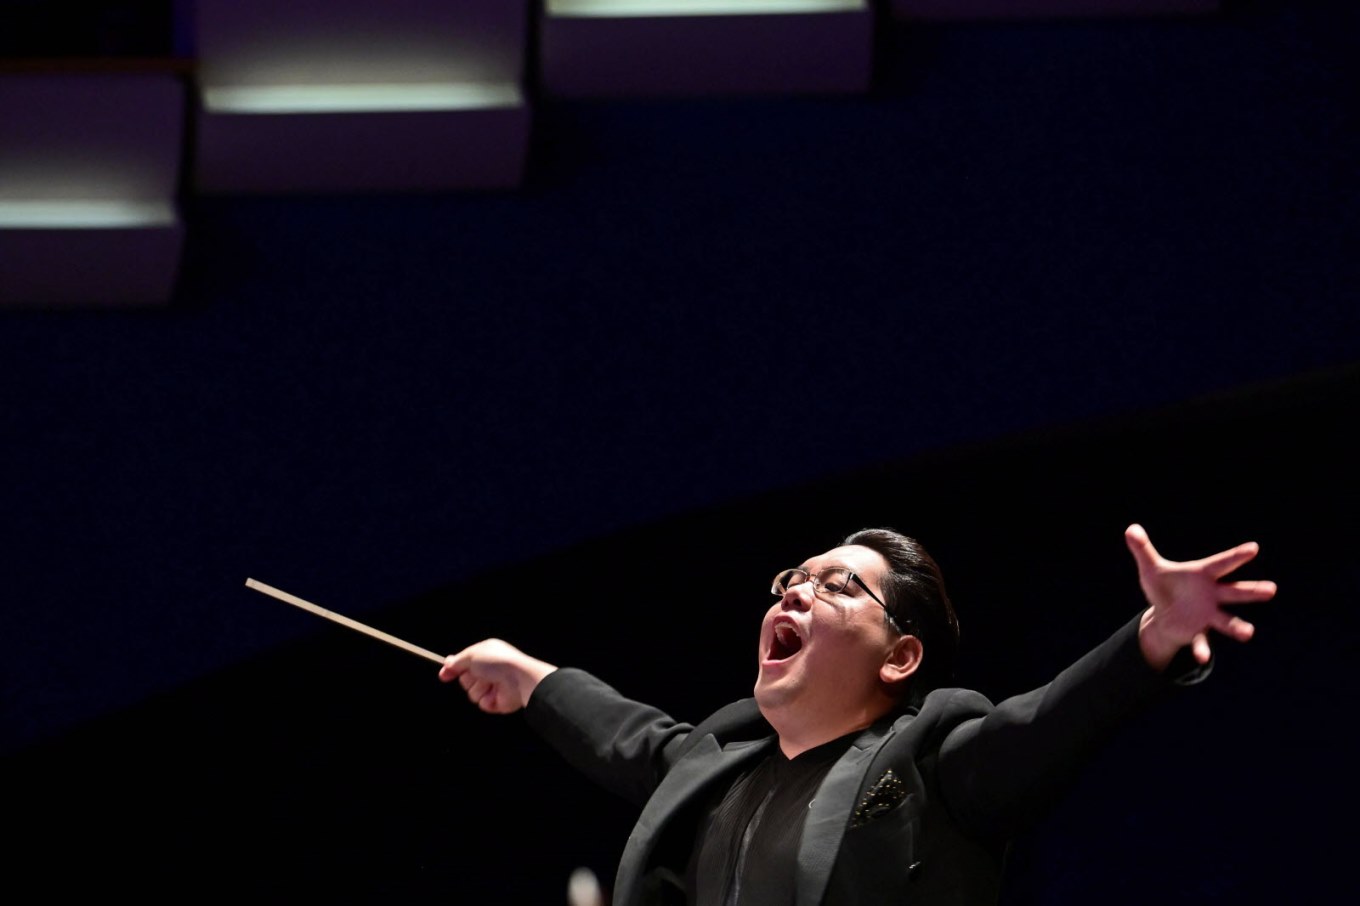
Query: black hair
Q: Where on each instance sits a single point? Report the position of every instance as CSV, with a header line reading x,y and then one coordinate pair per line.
x,y
914,592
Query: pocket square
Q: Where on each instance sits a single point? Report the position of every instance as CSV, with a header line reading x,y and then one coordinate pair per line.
x,y
885,795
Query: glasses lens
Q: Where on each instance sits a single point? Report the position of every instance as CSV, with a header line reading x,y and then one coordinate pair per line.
x,y
787,578
834,580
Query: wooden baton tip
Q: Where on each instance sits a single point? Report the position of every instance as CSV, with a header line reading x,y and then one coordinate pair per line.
x,y
343,620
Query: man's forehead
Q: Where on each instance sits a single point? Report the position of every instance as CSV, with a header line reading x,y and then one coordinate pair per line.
x,y
854,557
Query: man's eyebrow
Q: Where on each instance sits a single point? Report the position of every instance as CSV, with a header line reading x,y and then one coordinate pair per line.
x,y
826,566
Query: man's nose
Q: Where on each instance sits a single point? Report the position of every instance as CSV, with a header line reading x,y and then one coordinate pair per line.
x,y
797,597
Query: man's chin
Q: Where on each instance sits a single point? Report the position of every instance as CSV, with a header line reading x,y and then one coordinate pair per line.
x,y
773,691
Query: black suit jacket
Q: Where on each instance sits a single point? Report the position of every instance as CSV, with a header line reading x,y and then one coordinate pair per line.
x,y
917,811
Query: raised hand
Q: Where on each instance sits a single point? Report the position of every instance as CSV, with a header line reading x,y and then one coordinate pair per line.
x,y
497,676
1186,598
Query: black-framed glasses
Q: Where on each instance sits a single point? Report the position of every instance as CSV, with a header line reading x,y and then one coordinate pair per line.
x,y
834,580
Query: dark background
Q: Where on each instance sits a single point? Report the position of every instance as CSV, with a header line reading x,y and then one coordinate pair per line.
x,y
1045,279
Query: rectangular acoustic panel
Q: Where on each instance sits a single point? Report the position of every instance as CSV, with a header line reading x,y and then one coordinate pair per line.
x,y
396,148
89,173
1038,9
94,266
342,95
641,48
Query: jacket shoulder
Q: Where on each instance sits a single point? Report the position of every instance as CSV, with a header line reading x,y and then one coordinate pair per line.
x,y
740,720
949,706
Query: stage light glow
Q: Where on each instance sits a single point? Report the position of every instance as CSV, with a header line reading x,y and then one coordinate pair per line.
x,y
374,98
92,215
666,8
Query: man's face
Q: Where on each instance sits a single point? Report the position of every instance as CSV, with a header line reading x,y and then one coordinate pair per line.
x,y
820,653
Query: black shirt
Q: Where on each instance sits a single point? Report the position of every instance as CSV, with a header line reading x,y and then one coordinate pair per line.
x,y
746,848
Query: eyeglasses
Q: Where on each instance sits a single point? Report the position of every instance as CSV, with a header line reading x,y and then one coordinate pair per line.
x,y
832,580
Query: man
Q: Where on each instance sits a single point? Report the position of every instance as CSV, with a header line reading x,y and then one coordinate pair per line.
x,y
852,775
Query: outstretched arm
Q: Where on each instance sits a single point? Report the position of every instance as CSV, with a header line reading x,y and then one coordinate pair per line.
x,y
497,676
1043,736
623,745
1186,598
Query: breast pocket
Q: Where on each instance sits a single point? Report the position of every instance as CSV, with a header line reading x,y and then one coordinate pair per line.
x,y
879,852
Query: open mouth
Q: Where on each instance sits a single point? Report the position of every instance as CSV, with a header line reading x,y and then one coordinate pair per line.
x,y
784,642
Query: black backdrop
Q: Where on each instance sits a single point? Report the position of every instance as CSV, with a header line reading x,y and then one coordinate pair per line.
x,y
1047,279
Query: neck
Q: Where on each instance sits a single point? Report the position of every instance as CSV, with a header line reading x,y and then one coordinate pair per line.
x,y
798,736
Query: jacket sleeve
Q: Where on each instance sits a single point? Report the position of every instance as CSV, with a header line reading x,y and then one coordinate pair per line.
x,y
623,745
998,772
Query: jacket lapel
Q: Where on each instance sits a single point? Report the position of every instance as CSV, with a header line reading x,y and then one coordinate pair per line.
x,y
829,813
690,775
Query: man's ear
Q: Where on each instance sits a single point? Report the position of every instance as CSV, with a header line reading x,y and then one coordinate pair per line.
x,y
902,660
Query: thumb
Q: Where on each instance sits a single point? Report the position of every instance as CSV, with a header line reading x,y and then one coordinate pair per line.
x,y
1140,545
455,665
